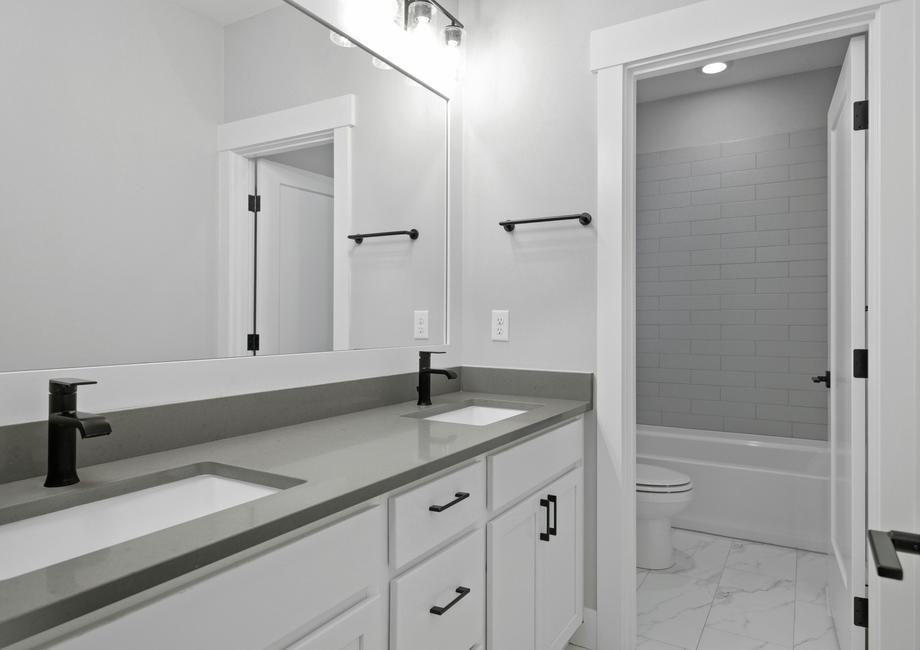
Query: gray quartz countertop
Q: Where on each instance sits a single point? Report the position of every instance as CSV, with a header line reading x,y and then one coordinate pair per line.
x,y
345,460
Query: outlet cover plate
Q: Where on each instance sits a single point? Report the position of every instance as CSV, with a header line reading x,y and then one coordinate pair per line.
x,y
420,325
501,325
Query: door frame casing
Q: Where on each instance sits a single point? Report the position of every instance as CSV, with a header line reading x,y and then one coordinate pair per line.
x,y
239,144
682,39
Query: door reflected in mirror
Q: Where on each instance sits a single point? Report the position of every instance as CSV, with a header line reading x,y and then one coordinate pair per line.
x,y
135,133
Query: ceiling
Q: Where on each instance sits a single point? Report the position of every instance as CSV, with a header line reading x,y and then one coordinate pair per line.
x,y
816,56
224,12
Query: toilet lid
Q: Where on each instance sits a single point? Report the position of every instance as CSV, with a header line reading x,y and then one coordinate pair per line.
x,y
653,476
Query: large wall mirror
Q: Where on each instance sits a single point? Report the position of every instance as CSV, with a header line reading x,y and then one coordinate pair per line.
x,y
135,133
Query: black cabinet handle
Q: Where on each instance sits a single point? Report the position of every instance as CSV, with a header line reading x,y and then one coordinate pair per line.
x,y
885,547
437,610
460,497
823,379
544,537
555,502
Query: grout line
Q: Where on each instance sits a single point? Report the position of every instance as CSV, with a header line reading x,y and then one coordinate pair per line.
x,y
795,595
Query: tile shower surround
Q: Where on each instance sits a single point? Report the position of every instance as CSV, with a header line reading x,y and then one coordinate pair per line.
x,y
732,286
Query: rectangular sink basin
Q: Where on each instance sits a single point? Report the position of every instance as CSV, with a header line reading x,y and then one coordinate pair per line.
x,y
40,540
476,415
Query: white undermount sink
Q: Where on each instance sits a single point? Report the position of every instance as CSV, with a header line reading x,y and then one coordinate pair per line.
x,y
476,415
47,539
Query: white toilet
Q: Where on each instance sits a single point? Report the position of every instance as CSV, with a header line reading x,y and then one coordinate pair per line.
x,y
660,494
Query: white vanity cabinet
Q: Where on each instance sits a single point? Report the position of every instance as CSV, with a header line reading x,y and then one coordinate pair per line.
x,y
484,556
318,591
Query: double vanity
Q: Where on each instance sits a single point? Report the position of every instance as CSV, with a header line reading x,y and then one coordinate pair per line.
x,y
453,526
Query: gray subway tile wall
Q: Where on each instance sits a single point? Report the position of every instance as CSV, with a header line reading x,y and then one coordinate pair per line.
x,y
732,286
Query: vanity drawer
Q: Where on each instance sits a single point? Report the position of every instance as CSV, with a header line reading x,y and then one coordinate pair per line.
x,y
438,582
283,593
416,529
518,471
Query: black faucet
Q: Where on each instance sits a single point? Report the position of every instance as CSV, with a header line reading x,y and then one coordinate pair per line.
x,y
63,423
424,377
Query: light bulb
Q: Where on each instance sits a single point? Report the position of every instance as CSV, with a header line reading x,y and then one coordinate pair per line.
x,y
715,67
453,35
340,40
421,13
380,65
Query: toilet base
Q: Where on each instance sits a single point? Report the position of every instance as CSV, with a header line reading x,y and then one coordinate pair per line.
x,y
653,544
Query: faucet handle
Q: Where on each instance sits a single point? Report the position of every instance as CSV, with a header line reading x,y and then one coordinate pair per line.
x,y
67,386
432,352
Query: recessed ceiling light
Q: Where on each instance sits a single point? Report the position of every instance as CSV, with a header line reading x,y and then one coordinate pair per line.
x,y
715,67
339,40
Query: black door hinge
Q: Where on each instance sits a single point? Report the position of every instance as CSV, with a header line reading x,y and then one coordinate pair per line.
x,y
861,115
255,203
252,342
861,364
860,612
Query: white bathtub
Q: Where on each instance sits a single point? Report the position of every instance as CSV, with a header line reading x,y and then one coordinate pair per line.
x,y
760,488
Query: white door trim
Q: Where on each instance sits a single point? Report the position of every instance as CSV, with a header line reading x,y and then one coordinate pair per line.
x,y
239,143
680,39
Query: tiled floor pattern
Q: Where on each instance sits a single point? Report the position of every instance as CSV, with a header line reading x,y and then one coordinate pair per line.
x,y
726,594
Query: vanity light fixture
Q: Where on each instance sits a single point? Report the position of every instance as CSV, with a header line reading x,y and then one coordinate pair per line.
x,y
714,68
422,13
339,40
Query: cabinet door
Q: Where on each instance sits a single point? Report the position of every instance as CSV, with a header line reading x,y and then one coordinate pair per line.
x,y
511,578
559,564
361,628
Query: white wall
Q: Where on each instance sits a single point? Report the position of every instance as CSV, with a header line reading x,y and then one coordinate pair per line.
x,y
780,105
107,170
281,59
528,151
529,143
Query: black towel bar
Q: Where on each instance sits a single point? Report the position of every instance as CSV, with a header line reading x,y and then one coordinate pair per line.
x,y
412,234
584,219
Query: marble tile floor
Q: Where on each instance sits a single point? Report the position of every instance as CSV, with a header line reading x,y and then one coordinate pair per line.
x,y
727,594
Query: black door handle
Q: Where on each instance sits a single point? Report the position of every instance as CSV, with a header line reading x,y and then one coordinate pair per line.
x,y
823,379
555,503
885,547
460,497
437,610
544,537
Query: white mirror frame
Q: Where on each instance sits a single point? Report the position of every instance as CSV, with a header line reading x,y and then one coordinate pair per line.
x,y
681,39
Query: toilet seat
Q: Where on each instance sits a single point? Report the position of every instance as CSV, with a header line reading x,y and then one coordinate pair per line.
x,y
652,479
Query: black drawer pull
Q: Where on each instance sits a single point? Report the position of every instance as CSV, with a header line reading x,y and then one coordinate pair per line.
x,y
544,537
553,500
460,497
885,547
437,610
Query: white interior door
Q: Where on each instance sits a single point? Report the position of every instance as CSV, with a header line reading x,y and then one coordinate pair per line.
x,y
295,260
847,332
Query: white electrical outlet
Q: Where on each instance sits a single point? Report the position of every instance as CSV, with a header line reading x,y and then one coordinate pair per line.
x,y
420,326
501,324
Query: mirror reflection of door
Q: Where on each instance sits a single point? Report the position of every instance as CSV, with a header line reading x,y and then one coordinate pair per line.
x,y
294,252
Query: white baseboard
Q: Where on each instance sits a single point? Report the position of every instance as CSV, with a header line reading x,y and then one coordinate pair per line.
x,y
586,635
